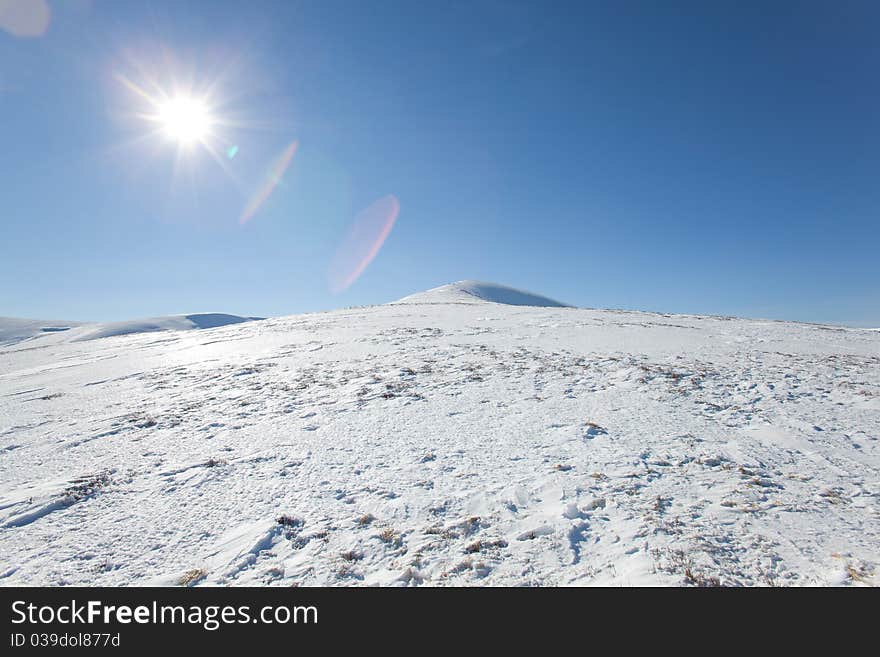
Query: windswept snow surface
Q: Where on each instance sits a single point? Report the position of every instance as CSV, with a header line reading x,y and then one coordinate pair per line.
x,y
445,444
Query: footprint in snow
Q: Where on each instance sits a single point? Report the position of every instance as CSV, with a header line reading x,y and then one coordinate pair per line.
x,y
577,534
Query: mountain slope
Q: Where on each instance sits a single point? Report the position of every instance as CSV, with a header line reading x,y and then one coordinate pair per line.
x,y
445,444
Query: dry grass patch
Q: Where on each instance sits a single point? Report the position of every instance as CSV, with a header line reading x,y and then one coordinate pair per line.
x,y
191,577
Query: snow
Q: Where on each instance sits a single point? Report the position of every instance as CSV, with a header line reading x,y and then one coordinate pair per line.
x,y
447,440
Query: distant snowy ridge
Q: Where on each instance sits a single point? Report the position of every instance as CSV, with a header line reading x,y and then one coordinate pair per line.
x,y
477,292
169,323
16,330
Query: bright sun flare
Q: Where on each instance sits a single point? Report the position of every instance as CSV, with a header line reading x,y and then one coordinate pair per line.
x,y
184,119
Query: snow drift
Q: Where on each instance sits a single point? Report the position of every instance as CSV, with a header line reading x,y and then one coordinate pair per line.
x,y
477,291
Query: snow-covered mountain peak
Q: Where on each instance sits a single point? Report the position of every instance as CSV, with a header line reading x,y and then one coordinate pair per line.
x,y
469,291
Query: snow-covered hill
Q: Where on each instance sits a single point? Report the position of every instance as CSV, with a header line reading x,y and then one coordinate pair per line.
x,y
445,443
478,291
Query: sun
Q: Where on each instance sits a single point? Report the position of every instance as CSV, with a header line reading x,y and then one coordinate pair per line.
x,y
185,119
189,118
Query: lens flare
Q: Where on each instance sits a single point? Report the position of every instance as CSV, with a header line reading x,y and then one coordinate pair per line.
x,y
276,171
365,238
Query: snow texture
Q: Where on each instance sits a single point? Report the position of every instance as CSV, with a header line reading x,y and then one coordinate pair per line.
x,y
447,440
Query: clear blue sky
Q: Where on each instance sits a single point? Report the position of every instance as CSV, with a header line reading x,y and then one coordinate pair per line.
x,y
708,157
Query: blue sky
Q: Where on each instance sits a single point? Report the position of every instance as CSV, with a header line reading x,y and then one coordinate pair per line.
x,y
698,157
